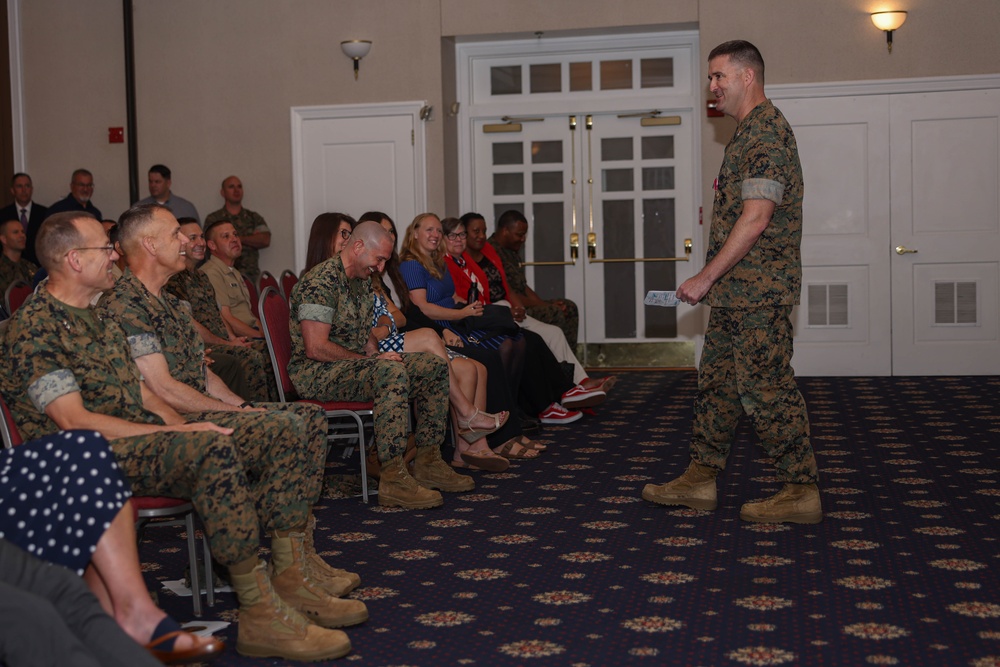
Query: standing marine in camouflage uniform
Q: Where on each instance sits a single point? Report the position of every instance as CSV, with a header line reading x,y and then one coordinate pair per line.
x,y
71,369
752,278
250,226
194,287
335,358
13,265
507,239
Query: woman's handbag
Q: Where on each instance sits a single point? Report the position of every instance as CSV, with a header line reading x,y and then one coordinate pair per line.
x,y
495,321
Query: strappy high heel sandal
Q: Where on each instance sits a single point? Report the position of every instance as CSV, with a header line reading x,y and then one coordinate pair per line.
x,y
470,435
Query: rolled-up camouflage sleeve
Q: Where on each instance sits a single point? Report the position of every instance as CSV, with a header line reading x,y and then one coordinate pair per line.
x,y
315,313
143,344
51,386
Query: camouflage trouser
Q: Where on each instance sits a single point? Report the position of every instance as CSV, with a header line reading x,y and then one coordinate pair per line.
x,y
257,371
569,321
268,473
421,378
746,367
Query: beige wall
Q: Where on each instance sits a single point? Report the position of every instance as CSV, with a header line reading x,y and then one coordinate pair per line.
x,y
215,80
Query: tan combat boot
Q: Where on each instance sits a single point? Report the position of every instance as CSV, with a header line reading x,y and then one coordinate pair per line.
x,y
694,489
397,488
320,571
269,628
293,586
430,470
795,503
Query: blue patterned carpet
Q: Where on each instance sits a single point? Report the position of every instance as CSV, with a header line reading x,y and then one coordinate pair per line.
x,y
559,562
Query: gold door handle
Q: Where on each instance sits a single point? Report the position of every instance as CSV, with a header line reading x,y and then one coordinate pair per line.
x,y
592,253
903,250
574,251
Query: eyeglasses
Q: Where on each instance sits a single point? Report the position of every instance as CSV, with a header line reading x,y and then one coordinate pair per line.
x,y
455,237
85,186
106,248
345,234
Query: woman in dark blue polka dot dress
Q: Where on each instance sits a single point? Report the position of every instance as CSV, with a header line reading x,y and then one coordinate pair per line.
x,y
64,501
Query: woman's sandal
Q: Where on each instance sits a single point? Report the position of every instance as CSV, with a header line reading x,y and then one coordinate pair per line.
x,y
485,460
528,443
507,450
161,645
470,435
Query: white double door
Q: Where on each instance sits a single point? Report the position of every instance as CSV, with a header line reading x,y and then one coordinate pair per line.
x,y
624,184
901,242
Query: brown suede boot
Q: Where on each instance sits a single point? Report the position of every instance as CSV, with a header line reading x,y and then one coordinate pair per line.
x,y
694,489
293,586
430,470
397,488
269,628
795,503
320,571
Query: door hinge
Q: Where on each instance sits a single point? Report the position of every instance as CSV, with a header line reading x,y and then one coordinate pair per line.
x,y
413,141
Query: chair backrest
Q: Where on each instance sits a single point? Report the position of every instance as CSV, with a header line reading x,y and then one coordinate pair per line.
x,y
252,290
274,316
17,293
288,280
267,280
8,429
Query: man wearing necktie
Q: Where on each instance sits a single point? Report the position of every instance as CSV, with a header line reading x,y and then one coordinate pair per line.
x,y
31,214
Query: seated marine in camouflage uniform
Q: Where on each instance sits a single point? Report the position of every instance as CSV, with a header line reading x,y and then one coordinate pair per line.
x,y
335,357
69,368
193,286
13,265
507,239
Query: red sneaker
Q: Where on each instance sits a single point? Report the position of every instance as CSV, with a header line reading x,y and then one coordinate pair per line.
x,y
557,414
581,397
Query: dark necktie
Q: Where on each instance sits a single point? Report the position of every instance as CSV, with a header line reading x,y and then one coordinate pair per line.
x,y
24,218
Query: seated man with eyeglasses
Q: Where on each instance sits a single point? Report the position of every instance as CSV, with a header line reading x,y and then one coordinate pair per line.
x,y
230,290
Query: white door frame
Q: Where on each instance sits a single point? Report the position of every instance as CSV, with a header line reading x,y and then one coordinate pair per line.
x,y
300,115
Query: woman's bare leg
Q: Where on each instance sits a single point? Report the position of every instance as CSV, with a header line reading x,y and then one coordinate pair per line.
x,y
115,578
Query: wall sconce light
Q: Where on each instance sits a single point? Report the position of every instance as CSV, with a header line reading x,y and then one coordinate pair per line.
x,y
888,21
356,49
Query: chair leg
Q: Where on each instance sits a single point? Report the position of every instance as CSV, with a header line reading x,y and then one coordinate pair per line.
x,y
193,559
209,573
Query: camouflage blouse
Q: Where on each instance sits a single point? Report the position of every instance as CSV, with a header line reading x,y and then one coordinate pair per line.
x,y
196,288
761,162
157,326
52,350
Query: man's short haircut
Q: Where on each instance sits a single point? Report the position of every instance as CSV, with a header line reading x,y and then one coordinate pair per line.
x,y
742,53
80,172
57,236
133,223
3,225
508,219
187,220
160,169
209,231
223,186
370,233
18,175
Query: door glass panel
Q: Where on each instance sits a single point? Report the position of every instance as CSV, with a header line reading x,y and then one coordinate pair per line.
x,y
546,182
658,232
656,72
658,148
657,178
546,152
581,76
505,80
507,153
616,149
501,208
549,246
616,180
619,279
546,78
508,184
616,74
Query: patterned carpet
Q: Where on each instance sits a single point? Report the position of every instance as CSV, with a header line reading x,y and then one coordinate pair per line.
x,y
559,562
